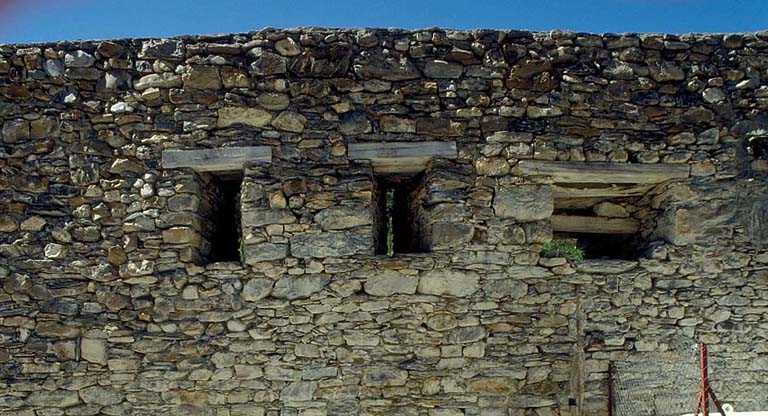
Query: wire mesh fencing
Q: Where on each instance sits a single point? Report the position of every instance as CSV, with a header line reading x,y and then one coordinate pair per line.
x,y
669,383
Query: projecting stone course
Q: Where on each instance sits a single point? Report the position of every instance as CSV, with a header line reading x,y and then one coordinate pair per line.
x,y
110,302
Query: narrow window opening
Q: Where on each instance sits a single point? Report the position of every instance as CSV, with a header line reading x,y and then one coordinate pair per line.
x,y
397,206
225,240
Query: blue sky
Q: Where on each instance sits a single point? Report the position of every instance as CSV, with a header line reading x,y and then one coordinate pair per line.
x,y
50,20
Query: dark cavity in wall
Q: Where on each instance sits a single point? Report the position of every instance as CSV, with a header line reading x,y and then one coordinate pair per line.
x,y
607,246
397,222
601,245
225,241
758,147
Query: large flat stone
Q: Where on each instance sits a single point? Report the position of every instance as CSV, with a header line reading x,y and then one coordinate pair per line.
x,y
341,217
257,289
384,377
466,335
255,253
290,287
301,391
265,216
164,80
388,68
391,282
104,396
94,350
244,116
331,245
524,202
58,398
449,282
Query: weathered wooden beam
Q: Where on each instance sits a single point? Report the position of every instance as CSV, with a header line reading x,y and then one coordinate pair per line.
x,y
576,203
221,159
401,157
611,191
603,172
594,225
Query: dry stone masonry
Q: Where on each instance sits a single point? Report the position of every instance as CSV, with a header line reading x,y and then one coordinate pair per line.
x,y
128,165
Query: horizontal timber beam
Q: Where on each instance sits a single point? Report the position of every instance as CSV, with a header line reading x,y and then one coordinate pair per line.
x,y
594,225
603,172
223,159
612,191
401,157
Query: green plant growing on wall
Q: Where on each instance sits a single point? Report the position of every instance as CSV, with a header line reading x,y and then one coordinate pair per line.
x,y
565,247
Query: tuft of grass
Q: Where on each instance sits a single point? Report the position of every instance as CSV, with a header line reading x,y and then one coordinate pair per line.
x,y
565,247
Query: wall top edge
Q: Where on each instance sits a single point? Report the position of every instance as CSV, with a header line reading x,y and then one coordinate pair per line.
x,y
506,33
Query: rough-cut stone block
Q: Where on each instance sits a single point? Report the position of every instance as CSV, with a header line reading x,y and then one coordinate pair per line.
x,y
301,391
99,395
449,283
94,350
264,216
290,121
442,69
449,234
388,68
756,222
162,49
201,77
267,63
56,398
390,282
246,116
466,335
331,245
440,127
394,124
291,287
56,330
182,235
384,377
342,217
257,289
255,253
524,202
502,288
164,80
354,123
689,225
79,59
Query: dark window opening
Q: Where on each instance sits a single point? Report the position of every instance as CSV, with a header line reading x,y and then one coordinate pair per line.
x,y
225,240
397,206
597,243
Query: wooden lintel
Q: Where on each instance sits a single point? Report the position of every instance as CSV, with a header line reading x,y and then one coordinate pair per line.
x,y
603,172
577,203
594,225
611,191
223,159
401,157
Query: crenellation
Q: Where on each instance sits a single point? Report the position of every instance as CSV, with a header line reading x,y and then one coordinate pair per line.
x,y
115,157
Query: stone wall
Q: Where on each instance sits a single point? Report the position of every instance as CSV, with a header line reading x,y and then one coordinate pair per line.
x,y
110,305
